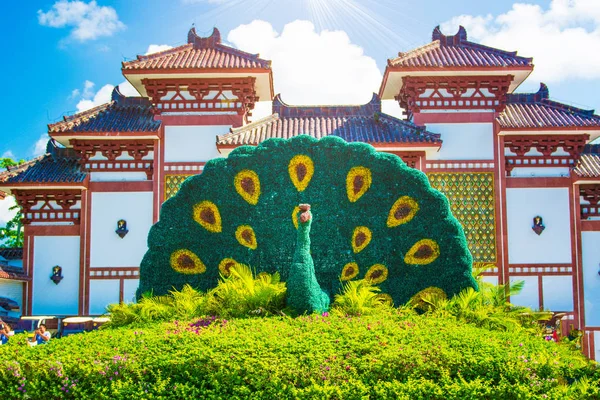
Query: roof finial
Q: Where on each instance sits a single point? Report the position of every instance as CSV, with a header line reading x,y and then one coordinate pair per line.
x,y
201,42
446,40
543,92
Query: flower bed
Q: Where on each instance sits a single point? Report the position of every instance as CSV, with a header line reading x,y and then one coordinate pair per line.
x,y
385,355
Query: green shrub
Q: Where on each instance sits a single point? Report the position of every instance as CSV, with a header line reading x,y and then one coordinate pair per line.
x,y
384,355
359,298
241,294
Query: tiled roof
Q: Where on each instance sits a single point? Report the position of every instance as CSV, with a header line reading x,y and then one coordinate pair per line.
x,y
589,162
457,51
12,253
363,123
9,304
17,170
536,110
58,165
8,272
122,114
198,53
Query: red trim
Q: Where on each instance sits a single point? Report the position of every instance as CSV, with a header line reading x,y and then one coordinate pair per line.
x,y
590,226
180,120
502,222
565,129
576,251
592,345
135,186
537,182
48,185
202,71
453,118
540,292
104,134
88,246
155,188
29,270
82,235
54,230
451,69
121,289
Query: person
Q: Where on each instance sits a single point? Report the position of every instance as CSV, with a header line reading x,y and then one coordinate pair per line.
x,y
5,332
41,336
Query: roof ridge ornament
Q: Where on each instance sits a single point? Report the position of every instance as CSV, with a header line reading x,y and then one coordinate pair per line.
x,y
203,43
449,40
337,110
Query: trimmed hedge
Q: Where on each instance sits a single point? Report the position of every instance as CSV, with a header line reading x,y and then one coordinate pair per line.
x,y
379,356
373,217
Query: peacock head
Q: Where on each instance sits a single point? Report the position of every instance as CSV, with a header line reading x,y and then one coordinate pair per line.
x,y
306,215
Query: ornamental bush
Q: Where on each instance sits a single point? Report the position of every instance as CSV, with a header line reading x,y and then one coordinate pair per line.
x,y
374,218
384,355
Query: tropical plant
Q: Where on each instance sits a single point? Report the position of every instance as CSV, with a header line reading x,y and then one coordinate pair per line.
x,y
360,297
241,294
12,234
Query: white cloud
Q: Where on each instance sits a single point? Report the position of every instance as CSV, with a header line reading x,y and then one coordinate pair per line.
x,y
90,99
155,48
39,148
311,67
6,214
8,154
88,20
562,38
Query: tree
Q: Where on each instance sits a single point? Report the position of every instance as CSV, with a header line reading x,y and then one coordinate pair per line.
x,y
12,234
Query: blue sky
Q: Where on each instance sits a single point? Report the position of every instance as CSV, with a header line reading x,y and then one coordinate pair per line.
x,y
53,47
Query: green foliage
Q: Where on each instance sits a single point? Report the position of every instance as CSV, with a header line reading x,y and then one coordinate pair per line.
x,y
9,162
242,294
359,298
381,356
12,234
489,307
335,218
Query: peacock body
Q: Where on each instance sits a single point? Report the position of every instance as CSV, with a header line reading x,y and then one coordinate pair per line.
x,y
374,218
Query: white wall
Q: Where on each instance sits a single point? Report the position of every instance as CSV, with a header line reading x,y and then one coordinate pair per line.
x,y
529,296
102,293
553,246
49,298
590,243
192,143
597,346
129,288
464,141
528,172
107,248
118,176
12,290
558,293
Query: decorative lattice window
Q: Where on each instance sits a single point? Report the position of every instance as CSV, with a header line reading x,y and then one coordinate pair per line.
x,y
172,184
473,203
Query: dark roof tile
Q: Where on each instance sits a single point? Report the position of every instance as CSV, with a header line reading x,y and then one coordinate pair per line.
x,y
536,110
457,51
198,53
122,114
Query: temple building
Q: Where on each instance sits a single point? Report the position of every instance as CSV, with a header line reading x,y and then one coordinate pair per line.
x,y
519,169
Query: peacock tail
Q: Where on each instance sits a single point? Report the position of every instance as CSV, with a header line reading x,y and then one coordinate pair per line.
x,y
374,218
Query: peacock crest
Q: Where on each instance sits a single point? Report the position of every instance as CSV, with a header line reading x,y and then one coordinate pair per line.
x,y
374,218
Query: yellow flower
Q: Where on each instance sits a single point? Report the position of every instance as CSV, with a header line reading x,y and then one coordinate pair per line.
x,y
349,272
247,185
301,169
424,252
376,274
246,237
358,182
295,216
403,210
361,237
207,214
186,262
225,266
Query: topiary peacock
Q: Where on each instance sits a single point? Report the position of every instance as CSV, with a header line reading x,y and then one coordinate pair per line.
x,y
370,216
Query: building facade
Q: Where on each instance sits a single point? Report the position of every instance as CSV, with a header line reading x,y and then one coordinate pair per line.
x,y
519,170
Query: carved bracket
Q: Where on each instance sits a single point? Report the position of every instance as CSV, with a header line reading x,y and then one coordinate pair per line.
x,y
445,92
50,205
